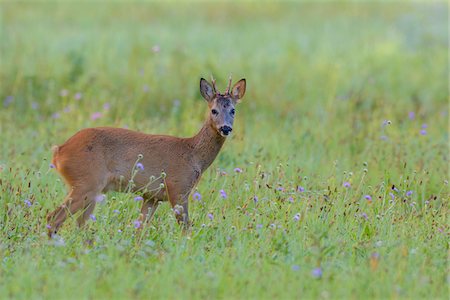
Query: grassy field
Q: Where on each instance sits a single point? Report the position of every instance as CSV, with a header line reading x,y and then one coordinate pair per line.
x,y
342,140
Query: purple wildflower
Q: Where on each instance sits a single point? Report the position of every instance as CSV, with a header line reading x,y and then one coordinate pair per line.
x,y
424,126
223,173
52,166
259,226
93,218
409,193
8,100
317,272
223,194
347,184
368,197
291,199
106,106
364,215
280,189
197,196
255,199
56,115
140,166
392,196
238,170
156,49
78,96
100,198
119,230
411,115
297,217
295,267
137,224
48,226
116,211
300,189
27,202
423,132
210,216
176,211
138,198
67,109
383,138
96,115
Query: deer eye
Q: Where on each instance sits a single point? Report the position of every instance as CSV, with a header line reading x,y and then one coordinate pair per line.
x,y
214,112
233,111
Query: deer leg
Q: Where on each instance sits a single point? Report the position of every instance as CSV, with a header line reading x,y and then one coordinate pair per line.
x,y
79,198
148,208
180,207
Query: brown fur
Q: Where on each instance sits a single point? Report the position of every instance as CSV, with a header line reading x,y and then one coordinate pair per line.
x,y
97,160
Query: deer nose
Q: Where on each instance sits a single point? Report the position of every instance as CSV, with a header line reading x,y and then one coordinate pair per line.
x,y
225,130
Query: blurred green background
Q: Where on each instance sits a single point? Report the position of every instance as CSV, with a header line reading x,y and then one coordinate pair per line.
x,y
337,93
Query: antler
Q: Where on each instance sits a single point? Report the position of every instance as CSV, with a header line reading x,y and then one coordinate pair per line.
x,y
229,86
213,81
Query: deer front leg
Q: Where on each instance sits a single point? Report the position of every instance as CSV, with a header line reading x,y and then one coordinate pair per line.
x,y
179,204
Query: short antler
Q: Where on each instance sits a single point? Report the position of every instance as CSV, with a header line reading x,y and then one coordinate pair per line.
x,y
227,92
213,81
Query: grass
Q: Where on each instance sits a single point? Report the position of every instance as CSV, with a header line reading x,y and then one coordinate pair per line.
x,y
344,101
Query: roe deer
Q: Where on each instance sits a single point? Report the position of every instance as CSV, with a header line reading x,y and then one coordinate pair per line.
x,y
97,160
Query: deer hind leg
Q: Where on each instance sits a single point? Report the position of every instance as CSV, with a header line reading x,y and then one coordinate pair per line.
x,y
79,198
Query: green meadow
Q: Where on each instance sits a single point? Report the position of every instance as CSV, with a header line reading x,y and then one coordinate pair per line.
x,y
333,185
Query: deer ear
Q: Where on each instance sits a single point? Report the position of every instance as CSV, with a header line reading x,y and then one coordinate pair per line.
x,y
238,90
206,90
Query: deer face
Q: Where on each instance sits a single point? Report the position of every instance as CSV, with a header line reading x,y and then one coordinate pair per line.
x,y
221,106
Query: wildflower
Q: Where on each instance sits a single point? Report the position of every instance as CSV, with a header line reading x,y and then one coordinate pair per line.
x,y
223,173
197,196
317,272
347,184
423,132
427,202
392,196
411,115
106,106
223,194
8,100
238,170
140,166
295,267
119,231
56,115
116,211
138,198
96,115
383,138
27,202
255,199
291,199
176,211
67,109
93,218
210,216
364,215
297,217
386,122
273,226
156,49
78,96
137,224
100,198
409,193
48,226
259,226
424,126
52,166
300,189
368,197
280,189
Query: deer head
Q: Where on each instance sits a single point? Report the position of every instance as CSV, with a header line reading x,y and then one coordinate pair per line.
x,y
222,106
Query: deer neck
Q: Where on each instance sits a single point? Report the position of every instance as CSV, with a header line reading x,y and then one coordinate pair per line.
x,y
206,145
